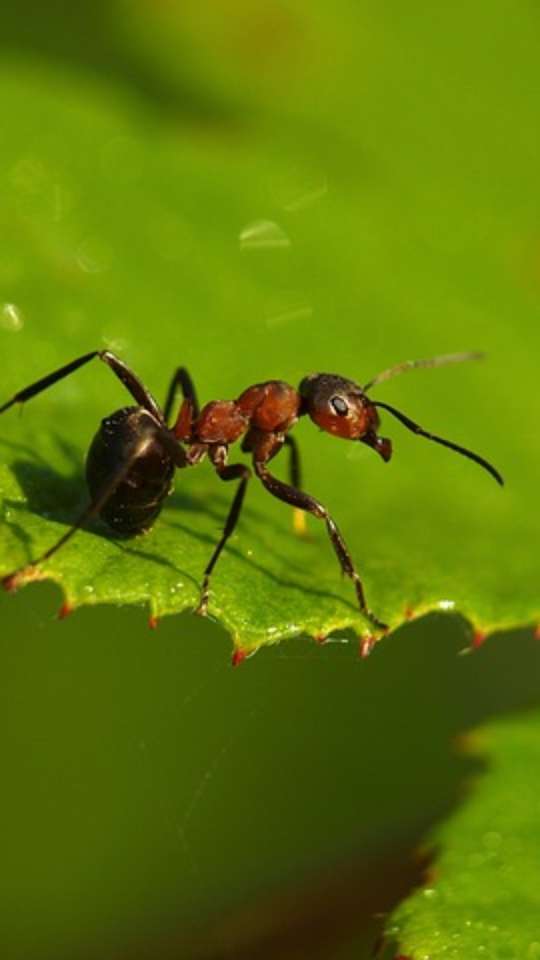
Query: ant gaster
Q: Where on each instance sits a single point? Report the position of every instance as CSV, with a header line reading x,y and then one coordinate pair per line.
x,y
132,458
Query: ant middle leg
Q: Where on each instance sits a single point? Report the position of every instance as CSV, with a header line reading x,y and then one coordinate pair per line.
x,y
303,501
295,474
236,471
136,388
181,379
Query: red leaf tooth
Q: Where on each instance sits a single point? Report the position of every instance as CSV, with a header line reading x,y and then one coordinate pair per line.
x,y
153,622
65,610
238,656
366,645
478,639
20,577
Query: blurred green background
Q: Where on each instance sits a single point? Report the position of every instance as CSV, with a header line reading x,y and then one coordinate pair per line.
x,y
154,801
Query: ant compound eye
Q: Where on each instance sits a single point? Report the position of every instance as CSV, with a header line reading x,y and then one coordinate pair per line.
x,y
339,406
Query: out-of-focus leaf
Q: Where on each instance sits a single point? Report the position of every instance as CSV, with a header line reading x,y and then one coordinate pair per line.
x,y
484,898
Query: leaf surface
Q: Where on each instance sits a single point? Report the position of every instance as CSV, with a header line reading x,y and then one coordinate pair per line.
x,y
264,236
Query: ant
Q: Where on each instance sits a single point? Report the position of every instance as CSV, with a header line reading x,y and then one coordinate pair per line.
x,y
133,456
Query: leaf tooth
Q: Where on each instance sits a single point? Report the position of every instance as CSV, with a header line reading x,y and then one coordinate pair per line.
x,y
65,610
367,642
19,578
153,621
10,583
238,656
479,638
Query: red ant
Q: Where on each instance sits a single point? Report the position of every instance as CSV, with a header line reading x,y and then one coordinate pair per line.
x,y
132,458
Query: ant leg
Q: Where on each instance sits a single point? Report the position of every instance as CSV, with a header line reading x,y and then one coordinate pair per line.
x,y
237,471
13,580
183,380
137,390
295,474
303,501
294,462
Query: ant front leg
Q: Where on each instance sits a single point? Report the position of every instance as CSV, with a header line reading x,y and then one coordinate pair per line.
x,y
303,501
137,389
236,471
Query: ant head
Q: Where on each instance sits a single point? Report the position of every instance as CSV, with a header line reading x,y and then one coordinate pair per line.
x,y
340,406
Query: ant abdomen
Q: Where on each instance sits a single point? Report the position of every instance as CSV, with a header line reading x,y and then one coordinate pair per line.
x,y
139,497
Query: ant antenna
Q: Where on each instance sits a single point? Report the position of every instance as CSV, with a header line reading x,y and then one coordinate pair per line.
x,y
415,428
413,364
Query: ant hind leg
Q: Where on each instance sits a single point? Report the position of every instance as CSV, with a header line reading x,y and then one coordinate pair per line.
x,y
132,383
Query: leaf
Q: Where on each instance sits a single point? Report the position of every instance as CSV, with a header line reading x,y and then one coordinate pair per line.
x,y
132,226
484,898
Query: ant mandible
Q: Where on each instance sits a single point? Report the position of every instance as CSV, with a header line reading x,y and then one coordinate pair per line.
x,y
132,458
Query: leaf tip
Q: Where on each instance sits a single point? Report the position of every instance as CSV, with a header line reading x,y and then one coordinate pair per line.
x,y
153,622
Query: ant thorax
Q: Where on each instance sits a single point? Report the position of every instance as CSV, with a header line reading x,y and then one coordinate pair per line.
x,y
270,407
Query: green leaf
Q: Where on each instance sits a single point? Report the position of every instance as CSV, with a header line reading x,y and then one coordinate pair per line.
x,y
131,226
484,898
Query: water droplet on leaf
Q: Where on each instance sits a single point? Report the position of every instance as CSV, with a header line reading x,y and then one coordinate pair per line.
x,y
11,318
263,234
